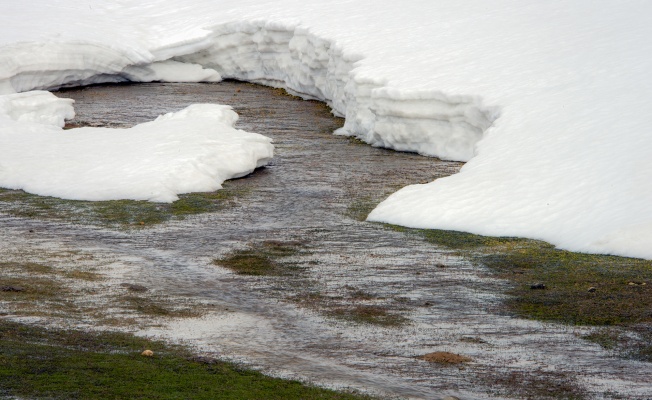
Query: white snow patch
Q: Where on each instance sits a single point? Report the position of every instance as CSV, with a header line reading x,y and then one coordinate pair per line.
x,y
193,150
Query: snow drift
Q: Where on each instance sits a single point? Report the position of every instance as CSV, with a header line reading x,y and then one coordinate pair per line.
x,y
548,99
193,150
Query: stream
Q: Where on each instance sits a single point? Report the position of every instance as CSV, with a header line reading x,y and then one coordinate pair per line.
x,y
292,325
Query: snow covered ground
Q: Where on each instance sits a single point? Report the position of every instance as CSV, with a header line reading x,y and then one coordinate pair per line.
x,y
547,99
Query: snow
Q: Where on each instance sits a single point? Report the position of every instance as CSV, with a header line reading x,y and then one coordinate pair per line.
x,y
547,99
193,150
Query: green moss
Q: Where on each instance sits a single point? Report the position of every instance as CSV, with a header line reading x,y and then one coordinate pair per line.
x,y
262,259
360,208
582,289
116,212
55,364
26,267
455,239
634,343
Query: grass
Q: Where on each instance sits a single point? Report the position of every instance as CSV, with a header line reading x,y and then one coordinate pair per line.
x,y
262,259
580,289
117,212
360,207
70,364
634,343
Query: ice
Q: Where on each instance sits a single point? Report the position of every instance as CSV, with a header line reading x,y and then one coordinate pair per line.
x,y
193,150
547,99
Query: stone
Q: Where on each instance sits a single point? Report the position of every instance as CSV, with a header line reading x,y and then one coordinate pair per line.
x,y
147,353
538,286
592,289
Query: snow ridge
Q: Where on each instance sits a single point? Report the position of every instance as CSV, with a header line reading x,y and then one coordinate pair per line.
x,y
274,54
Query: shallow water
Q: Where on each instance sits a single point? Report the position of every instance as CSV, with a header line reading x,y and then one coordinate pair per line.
x,y
306,194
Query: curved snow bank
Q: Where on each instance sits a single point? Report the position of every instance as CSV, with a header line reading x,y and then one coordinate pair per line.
x,y
428,122
282,55
192,150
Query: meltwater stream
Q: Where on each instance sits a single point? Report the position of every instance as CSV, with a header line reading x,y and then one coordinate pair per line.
x,y
288,326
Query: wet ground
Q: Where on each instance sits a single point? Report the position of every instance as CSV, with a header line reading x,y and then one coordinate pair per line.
x,y
356,302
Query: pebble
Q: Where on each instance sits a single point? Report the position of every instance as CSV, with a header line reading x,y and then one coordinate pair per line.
x,y
147,353
592,289
538,286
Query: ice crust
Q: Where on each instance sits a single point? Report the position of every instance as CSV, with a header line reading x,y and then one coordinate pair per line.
x,y
547,99
193,150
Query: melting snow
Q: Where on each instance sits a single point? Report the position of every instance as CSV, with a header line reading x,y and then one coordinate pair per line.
x,y
547,99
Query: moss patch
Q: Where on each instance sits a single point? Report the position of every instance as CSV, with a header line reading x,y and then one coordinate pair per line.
x,y
444,357
560,286
582,289
634,342
263,259
117,212
57,364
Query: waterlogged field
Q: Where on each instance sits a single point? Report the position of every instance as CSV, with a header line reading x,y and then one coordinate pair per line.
x,y
279,272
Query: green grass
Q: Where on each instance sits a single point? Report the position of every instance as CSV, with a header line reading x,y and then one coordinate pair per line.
x,y
634,343
617,298
116,212
620,295
262,259
360,208
70,364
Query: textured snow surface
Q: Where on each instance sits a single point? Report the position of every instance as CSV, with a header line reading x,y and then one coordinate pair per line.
x,y
549,99
193,150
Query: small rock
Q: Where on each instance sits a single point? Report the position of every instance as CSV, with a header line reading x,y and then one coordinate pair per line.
x,y
592,289
31,231
451,398
134,287
147,353
538,286
11,289
427,304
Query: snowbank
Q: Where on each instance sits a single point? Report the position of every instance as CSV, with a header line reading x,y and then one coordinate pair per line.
x,y
547,98
193,150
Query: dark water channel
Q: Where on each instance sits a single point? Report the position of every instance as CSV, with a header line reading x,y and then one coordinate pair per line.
x,y
297,325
